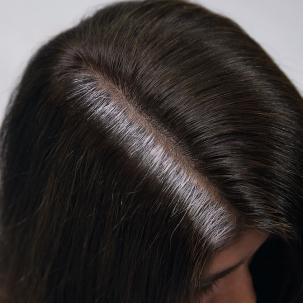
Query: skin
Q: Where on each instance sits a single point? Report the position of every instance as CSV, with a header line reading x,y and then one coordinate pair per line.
x,y
237,285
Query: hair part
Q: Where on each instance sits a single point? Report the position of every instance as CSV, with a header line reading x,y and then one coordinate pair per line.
x,y
137,144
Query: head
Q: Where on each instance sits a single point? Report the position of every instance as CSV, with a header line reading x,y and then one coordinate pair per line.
x,y
147,152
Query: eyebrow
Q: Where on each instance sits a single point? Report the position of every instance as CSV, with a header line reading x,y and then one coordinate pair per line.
x,y
206,281
213,277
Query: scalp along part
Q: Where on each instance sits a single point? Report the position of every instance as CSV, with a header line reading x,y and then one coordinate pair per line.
x,y
138,143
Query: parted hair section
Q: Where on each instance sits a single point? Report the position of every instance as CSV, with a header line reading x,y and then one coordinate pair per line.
x,y
135,145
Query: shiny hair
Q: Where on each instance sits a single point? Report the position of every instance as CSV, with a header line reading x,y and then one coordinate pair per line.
x,y
138,143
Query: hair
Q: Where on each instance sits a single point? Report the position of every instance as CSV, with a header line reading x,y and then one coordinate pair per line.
x,y
138,143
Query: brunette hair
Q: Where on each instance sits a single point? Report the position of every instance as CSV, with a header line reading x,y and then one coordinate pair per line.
x,y
135,145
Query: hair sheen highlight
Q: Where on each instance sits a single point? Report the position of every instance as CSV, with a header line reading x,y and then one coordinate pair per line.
x,y
135,145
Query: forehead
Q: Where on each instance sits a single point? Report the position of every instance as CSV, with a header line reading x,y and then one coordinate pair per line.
x,y
241,248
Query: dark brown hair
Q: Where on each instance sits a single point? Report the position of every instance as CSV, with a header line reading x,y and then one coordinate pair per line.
x,y
135,145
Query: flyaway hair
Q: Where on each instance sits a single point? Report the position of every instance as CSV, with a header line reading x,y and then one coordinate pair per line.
x,y
135,145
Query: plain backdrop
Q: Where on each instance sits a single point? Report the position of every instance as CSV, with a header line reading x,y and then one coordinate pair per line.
x,y
26,24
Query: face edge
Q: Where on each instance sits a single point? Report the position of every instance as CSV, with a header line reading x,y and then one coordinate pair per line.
x,y
244,246
231,266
